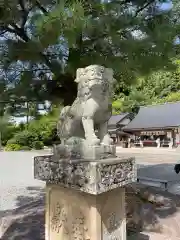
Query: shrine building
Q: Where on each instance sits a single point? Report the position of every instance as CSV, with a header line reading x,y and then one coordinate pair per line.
x,y
156,125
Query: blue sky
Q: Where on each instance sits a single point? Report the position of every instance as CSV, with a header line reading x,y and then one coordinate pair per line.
x,y
166,6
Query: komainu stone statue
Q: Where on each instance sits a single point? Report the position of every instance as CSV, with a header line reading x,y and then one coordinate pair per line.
x,y
91,109
82,127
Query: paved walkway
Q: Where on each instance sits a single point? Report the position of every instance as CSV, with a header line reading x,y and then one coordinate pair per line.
x,y
16,179
151,155
156,164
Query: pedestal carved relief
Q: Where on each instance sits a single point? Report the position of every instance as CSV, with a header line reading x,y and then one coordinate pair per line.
x,y
113,216
79,228
111,227
66,219
58,220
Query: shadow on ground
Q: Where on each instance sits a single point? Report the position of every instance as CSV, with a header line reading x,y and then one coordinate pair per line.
x,y
27,221
152,210
159,171
140,236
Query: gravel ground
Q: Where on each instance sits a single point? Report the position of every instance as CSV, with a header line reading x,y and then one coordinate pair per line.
x,y
17,184
21,197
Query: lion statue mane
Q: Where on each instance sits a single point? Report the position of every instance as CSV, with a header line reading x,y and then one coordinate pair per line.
x,y
88,116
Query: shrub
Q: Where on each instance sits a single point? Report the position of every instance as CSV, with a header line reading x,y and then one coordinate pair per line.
x,y
37,145
12,147
8,133
45,128
25,148
11,141
26,138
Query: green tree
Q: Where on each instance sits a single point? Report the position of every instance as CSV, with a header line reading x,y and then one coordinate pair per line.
x,y
132,102
161,83
117,106
4,123
161,86
48,40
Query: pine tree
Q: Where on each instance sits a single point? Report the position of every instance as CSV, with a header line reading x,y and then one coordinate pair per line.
x,y
48,40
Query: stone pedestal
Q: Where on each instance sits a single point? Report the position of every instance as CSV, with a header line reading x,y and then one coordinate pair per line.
x,y
85,199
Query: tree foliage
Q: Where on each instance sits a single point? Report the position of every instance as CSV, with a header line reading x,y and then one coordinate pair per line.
x,y
7,129
159,87
44,42
37,133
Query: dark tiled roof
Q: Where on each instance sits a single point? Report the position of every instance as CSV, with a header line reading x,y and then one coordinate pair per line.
x,y
117,118
156,116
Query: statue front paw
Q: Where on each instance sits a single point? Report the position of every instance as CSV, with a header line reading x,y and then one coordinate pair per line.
x,y
93,141
107,140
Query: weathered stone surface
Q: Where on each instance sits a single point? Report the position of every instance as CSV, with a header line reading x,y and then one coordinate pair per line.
x,y
83,151
113,215
66,218
91,109
76,215
92,177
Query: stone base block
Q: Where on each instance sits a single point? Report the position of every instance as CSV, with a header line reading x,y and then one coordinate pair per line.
x,y
82,150
74,215
92,177
98,152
